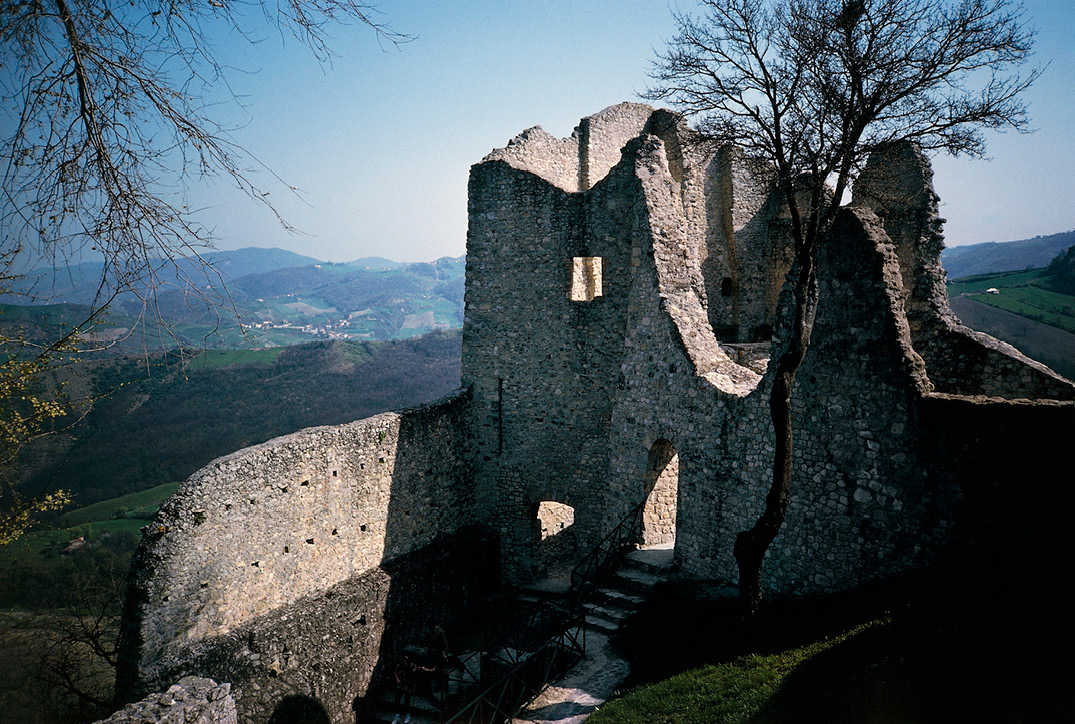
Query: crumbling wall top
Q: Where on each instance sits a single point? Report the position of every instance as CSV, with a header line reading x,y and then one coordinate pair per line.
x,y
536,150
579,161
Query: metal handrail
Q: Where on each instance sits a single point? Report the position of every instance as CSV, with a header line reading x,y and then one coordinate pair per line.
x,y
528,676
560,639
611,548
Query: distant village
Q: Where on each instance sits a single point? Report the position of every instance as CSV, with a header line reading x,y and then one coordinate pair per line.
x,y
349,327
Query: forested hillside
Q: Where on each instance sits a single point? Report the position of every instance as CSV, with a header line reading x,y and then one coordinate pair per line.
x,y
162,420
992,257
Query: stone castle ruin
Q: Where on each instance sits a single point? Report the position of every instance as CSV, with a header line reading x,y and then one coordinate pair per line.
x,y
622,298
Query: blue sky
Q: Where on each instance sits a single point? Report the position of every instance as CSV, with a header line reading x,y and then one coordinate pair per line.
x,y
381,141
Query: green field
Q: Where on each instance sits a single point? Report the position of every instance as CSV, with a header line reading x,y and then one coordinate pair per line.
x,y
142,504
127,514
217,358
1023,293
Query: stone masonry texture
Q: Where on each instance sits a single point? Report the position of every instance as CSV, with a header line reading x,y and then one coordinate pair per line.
x,y
625,289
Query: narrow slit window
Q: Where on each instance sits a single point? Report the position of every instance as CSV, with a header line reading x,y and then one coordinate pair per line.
x,y
585,278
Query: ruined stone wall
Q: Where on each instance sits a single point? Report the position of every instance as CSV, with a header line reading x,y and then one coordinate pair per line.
x,y
655,374
191,700
897,185
869,499
327,649
273,530
751,263
546,368
536,150
855,422
539,362
604,134
677,385
1007,456
579,161
865,503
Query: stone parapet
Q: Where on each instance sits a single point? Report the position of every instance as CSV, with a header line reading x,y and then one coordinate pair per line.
x,y
273,525
193,700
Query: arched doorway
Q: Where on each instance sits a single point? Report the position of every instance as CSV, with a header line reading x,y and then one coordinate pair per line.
x,y
662,496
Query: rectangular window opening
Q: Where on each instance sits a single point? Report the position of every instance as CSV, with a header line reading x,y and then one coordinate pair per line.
x,y
585,278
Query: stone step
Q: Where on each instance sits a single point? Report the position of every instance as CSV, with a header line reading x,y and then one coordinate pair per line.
x,y
656,559
624,600
552,587
602,624
633,581
613,614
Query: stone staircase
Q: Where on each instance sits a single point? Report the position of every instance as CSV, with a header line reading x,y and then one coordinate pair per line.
x,y
598,675
622,593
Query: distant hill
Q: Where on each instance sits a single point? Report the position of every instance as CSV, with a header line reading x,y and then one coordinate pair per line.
x,y
992,257
375,262
255,260
166,417
282,299
77,284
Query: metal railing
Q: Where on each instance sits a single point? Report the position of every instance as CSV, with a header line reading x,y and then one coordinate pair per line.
x,y
533,645
606,555
524,673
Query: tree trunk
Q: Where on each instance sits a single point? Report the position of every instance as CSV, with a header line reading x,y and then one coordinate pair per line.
x,y
751,545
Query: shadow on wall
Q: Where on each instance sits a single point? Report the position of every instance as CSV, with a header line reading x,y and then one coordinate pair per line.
x,y
299,710
662,494
383,521
450,579
554,530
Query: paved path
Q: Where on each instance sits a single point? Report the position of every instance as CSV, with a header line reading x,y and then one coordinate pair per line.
x,y
587,686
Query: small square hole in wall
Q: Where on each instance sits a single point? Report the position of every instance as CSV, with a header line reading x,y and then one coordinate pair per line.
x,y
585,278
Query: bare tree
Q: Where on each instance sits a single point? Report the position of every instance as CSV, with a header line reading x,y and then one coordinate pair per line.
x,y
108,115
809,88
74,660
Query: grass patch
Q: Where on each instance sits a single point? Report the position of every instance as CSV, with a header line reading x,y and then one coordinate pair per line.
x,y
726,693
125,516
1040,305
932,647
48,543
1021,293
981,282
134,505
212,359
